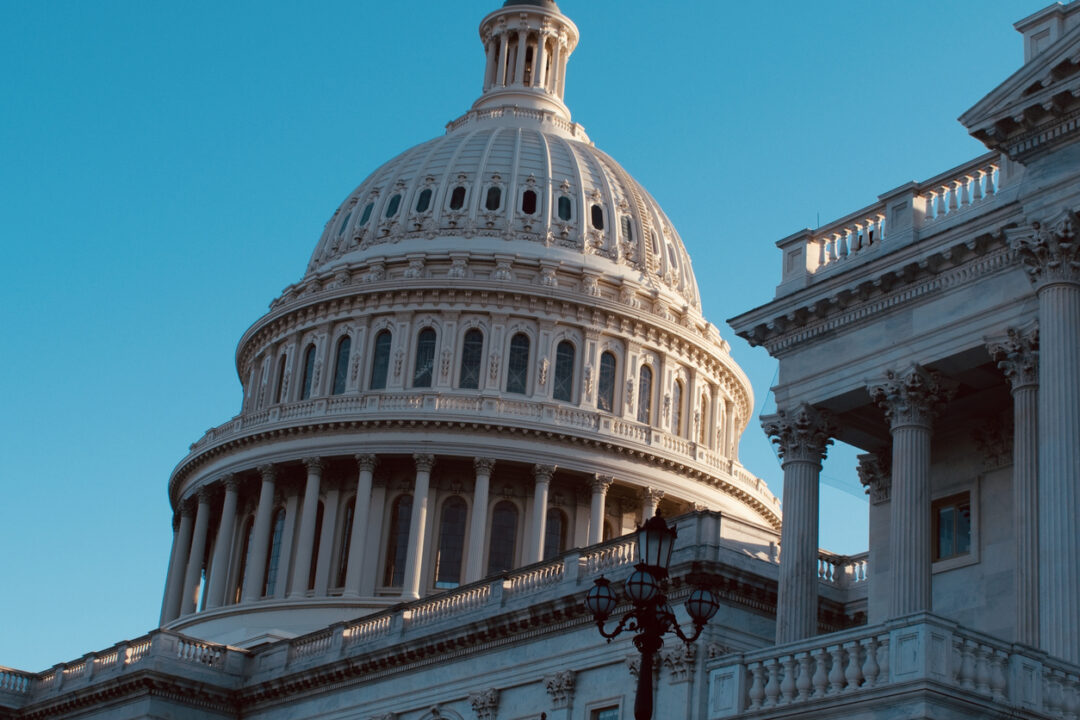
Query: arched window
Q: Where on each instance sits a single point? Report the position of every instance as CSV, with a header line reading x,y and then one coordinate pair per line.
x,y
245,547
504,519
309,372
655,245
457,198
598,217
346,541
380,360
554,533
341,364
704,419
627,229
565,208
425,358
517,365
644,395
528,202
472,349
315,546
563,388
494,198
451,543
671,258
605,384
392,206
366,215
273,558
423,202
279,393
676,407
397,542
345,222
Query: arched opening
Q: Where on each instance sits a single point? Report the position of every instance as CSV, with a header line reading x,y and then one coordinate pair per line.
x,y
565,208
598,217
451,548
279,392
494,199
457,198
380,360
245,548
309,372
392,206
366,215
676,407
423,201
341,364
528,202
563,387
517,365
273,558
501,551
554,533
472,349
644,408
319,512
425,358
605,384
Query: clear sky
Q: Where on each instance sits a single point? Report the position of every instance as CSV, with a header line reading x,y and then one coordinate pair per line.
x,y
166,169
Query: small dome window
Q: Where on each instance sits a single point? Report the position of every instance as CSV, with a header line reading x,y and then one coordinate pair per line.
x,y
564,208
344,223
627,229
671,258
494,198
424,201
655,245
528,202
366,214
598,217
392,206
457,198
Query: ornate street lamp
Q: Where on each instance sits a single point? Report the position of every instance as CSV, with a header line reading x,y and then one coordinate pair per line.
x,y
652,616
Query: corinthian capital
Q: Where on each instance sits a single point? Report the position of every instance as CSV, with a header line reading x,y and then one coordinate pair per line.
x,y
543,473
801,435
1049,251
600,483
484,466
1017,356
913,396
875,474
424,462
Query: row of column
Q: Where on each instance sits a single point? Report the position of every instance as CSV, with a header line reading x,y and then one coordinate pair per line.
x,y
189,542
506,63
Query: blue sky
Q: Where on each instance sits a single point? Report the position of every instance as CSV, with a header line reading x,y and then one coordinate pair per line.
x,y
166,169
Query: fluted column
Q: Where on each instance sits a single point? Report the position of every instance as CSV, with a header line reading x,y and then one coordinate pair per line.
x,y
911,399
255,575
802,435
308,515
474,559
542,480
650,499
193,575
599,486
410,589
219,568
366,466
519,60
174,584
1051,256
539,58
504,45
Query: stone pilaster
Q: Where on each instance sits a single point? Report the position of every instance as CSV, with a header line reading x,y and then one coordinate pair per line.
x,y
309,512
365,465
542,480
485,703
802,436
599,486
911,399
414,556
219,567
474,560
875,474
560,686
255,575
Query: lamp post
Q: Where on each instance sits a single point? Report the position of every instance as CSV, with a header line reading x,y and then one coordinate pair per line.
x,y
652,616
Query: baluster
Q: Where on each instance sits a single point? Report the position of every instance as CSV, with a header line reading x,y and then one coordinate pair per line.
x,y
803,684
853,673
836,671
883,660
977,186
821,678
858,238
881,227
787,685
1068,691
967,667
823,252
982,670
953,196
757,686
870,666
772,687
931,205
834,255
993,176
965,190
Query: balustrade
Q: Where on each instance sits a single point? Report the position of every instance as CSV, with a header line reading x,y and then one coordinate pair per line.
x,y
968,187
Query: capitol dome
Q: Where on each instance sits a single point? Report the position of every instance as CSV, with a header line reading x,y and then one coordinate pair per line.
x,y
496,354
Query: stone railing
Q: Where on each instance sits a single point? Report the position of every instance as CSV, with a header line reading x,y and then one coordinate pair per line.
x,y
961,189
862,665
842,570
15,681
447,604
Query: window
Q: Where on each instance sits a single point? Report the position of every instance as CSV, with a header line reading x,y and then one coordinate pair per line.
x,y
280,391
652,241
249,526
554,533
380,360
564,371
494,198
457,198
451,544
676,407
397,544
425,358
565,208
319,512
274,558
607,713
528,202
951,519
605,385
367,213
517,365
341,364
423,202
627,229
346,540
504,520
309,372
671,258
644,395
392,206
344,223
472,350
598,217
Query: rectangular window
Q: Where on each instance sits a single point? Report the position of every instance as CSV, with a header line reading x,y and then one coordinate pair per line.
x,y
607,713
951,520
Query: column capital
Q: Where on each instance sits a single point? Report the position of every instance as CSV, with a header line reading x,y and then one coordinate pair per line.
x,y
651,494
913,396
875,474
485,703
424,462
1017,356
600,483
543,473
187,506
366,462
1049,250
205,494
268,472
231,482
801,434
484,465
560,686
314,464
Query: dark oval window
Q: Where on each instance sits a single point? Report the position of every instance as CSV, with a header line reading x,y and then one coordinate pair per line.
x,y
627,229
457,198
494,197
564,208
344,223
424,201
671,258
367,213
392,206
597,217
528,202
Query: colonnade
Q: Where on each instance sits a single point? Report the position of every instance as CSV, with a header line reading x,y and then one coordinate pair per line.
x,y
299,533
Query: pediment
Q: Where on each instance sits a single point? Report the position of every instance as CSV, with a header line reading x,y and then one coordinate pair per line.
x,y
1036,108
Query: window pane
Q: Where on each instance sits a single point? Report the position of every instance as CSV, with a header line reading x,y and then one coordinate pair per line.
x,y
554,533
611,713
597,217
564,208
528,202
425,358
503,537
367,213
274,558
279,394
309,372
341,364
471,357
397,545
564,371
517,366
963,529
315,546
946,522
494,196
380,360
344,223
451,544
424,201
392,206
644,411
605,385
457,198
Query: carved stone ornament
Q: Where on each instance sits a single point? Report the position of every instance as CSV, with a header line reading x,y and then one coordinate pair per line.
x,y
913,396
801,435
600,483
679,661
399,358
459,268
875,473
1049,250
542,373
415,269
444,367
547,277
560,687
1017,356
994,441
653,495
543,473
484,465
424,463
366,462
503,271
493,367
587,381
485,703
630,394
